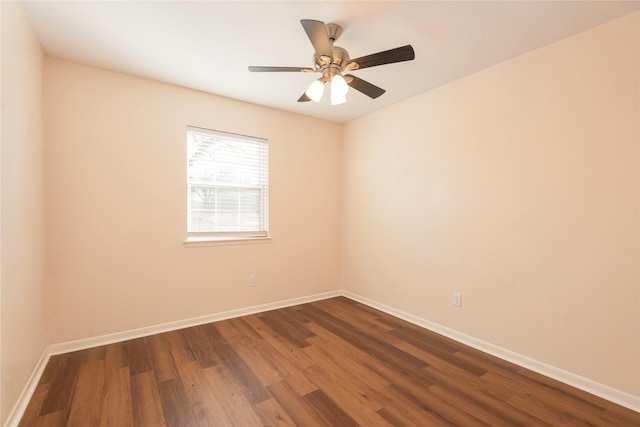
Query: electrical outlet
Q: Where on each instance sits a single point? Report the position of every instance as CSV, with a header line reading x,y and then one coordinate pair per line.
x,y
457,299
252,280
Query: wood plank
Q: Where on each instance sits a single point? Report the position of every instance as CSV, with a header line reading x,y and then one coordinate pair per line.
x,y
290,352
360,405
86,406
374,345
272,414
201,345
301,412
33,411
434,350
116,356
548,398
252,387
621,415
233,396
52,419
547,416
486,361
161,358
145,400
487,414
253,353
329,374
402,327
205,401
347,357
362,320
176,406
411,410
328,409
139,356
297,313
117,409
269,365
395,418
437,405
203,398
226,329
295,333
352,390
474,390
243,328
51,371
178,347
62,379
452,373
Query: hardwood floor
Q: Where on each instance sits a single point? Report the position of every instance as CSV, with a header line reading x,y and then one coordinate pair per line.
x,y
333,362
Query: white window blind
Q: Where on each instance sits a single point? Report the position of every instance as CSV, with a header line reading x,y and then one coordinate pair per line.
x,y
227,184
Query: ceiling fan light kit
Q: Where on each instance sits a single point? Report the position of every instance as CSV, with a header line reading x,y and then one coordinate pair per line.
x,y
331,61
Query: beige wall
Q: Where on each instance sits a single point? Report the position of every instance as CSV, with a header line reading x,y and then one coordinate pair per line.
x,y
116,205
22,292
519,187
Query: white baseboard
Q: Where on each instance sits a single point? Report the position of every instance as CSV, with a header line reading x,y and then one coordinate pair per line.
x,y
18,410
21,405
616,396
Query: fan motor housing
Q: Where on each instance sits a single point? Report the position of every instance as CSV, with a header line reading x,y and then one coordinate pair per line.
x,y
339,57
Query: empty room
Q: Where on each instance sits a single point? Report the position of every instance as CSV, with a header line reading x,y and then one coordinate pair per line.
x,y
320,213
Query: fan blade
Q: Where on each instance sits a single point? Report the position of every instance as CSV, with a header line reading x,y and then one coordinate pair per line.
x,y
399,54
258,69
317,33
304,98
371,90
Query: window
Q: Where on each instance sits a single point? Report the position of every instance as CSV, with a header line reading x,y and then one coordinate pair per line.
x,y
227,185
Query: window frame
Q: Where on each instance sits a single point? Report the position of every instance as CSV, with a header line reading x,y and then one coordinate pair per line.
x,y
203,237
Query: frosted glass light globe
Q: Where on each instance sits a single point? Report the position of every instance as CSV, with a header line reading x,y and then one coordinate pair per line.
x,y
315,91
339,86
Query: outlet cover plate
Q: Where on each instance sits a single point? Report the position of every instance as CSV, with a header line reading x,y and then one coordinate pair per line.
x,y
457,299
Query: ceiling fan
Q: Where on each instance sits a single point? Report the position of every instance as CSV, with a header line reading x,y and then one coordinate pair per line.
x,y
331,61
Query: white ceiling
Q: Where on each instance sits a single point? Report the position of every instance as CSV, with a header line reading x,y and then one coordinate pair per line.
x,y
208,45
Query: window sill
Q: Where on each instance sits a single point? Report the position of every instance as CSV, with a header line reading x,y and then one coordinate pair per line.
x,y
194,242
